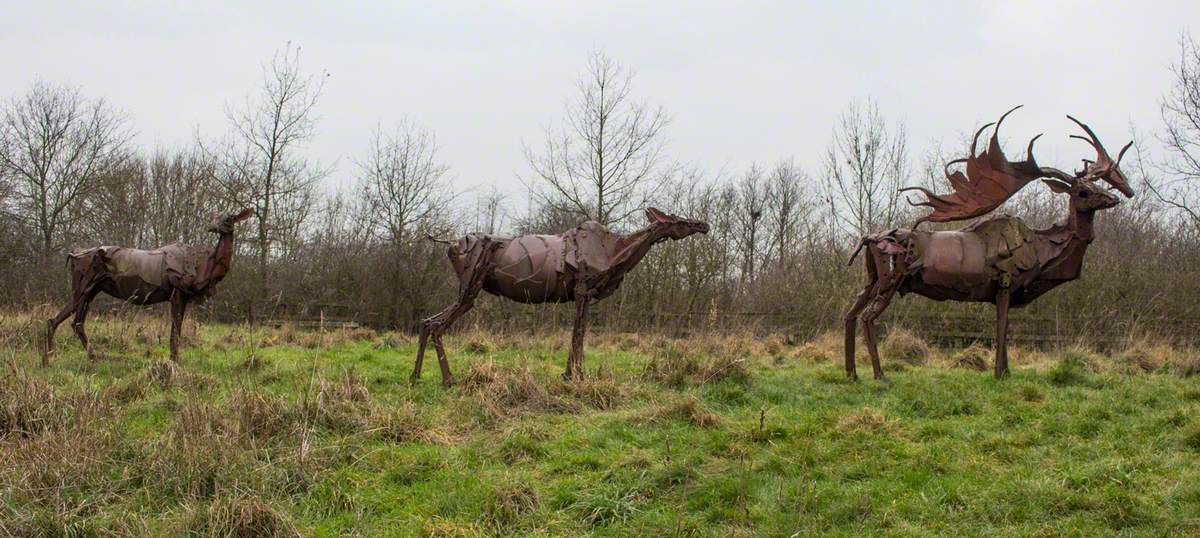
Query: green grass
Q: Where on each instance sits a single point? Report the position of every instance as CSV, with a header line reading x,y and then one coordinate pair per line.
x,y
279,432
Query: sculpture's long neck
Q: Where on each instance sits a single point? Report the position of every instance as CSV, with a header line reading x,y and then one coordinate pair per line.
x,y
633,247
217,264
1080,224
1067,263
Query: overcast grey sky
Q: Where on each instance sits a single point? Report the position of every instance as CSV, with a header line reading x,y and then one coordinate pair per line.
x,y
744,81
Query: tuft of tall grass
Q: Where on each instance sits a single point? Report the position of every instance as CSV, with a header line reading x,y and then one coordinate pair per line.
x,y
868,421
973,357
677,368
904,347
507,502
688,410
237,516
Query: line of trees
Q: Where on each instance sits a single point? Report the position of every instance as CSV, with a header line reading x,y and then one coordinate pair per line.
x,y
71,176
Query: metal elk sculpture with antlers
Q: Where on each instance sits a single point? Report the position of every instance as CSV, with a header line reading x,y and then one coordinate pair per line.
x,y
177,273
583,265
999,260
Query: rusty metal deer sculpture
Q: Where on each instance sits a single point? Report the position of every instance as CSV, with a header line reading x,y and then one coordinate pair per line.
x,y
177,273
583,265
999,260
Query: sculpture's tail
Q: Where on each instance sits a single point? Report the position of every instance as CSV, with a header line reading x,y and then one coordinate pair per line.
x,y
861,243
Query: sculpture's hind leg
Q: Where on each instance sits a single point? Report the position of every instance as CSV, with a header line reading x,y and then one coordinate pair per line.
x,y
416,373
81,311
53,323
889,281
479,266
433,328
851,317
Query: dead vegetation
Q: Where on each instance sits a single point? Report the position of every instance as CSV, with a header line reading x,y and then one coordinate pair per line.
x,y
237,516
501,392
687,409
902,346
973,357
677,367
868,421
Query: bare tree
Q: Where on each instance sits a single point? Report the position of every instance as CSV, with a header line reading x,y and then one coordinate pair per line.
x,y
55,148
787,207
599,163
1181,121
403,187
261,165
864,167
752,195
403,183
183,196
489,210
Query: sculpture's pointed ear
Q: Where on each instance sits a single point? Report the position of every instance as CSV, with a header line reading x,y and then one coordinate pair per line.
x,y
654,215
245,214
1057,186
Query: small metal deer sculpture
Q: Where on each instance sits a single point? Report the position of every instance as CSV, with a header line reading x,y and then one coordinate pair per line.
x,y
999,260
583,265
177,273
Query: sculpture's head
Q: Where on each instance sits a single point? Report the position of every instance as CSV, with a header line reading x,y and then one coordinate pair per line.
x,y
1086,195
1103,168
223,224
674,227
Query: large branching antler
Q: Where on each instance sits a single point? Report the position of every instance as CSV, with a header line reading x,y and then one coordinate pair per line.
x,y
1103,167
989,180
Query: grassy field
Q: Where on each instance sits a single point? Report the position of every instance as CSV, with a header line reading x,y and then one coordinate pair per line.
x,y
286,432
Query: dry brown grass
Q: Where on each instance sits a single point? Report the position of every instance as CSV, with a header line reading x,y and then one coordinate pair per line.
x,y
973,357
677,367
503,392
30,406
1145,355
903,346
507,502
403,423
687,409
238,516
1187,364
868,421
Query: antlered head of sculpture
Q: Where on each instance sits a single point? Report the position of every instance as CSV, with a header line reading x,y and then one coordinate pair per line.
x,y
675,227
1103,168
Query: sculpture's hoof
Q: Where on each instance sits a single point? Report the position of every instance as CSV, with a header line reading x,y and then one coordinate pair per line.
x,y
449,382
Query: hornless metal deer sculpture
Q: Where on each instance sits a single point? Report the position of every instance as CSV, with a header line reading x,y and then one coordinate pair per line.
x,y
1000,260
583,265
177,273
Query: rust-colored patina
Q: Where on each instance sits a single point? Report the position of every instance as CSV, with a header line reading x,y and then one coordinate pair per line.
x,y
177,273
998,260
583,265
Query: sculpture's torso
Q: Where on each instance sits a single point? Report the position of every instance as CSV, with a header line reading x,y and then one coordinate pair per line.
x,y
544,268
529,269
973,263
147,276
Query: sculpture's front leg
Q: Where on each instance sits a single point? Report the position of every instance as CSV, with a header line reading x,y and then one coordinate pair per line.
x,y
1002,301
583,296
